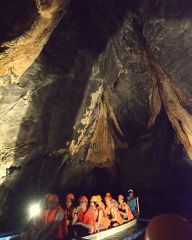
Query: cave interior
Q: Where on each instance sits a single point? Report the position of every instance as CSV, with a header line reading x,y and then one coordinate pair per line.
x,y
95,97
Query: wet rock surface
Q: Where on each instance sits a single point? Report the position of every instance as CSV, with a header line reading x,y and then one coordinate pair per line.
x,y
95,44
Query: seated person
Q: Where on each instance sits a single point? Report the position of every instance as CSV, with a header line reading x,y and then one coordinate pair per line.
x,y
132,202
113,213
84,220
124,209
53,221
113,200
36,222
68,212
102,221
100,202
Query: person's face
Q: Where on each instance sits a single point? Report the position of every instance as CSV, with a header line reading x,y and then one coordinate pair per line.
x,y
68,203
51,205
120,200
109,196
92,203
83,204
108,202
131,194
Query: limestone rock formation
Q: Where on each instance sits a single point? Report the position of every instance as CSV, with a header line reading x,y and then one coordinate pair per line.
x,y
54,69
21,52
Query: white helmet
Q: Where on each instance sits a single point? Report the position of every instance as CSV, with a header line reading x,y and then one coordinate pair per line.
x,y
130,190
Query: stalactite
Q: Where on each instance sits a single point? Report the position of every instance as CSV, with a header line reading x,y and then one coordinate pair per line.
x,y
102,147
101,151
174,101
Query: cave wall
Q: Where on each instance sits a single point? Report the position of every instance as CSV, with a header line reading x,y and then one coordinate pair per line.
x,y
96,44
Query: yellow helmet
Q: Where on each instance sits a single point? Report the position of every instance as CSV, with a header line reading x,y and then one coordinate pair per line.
x,y
99,198
94,199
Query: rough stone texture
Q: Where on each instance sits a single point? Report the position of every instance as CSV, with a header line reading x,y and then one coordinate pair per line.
x,y
17,55
96,44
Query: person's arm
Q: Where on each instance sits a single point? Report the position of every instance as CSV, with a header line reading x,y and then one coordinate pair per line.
x,y
114,215
124,214
74,220
127,210
100,215
75,215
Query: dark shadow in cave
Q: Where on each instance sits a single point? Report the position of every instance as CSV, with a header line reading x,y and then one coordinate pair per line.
x,y
16,17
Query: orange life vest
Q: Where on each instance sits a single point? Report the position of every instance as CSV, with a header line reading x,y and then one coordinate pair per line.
x,y
88,217
115,213
104,222
50,216
125,207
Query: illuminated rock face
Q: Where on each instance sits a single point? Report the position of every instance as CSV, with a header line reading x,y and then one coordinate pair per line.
x,y
95,48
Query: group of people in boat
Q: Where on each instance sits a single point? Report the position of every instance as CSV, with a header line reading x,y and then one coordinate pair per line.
x,y
76,220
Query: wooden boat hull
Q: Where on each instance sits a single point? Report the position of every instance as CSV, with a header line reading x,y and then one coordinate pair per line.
x,y
106,233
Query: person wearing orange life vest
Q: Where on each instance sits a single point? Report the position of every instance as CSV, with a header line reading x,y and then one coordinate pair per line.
x,y
113,213
68,212
124,209
53,221
102,221
84,220
36,223
113,200
93,205
100,202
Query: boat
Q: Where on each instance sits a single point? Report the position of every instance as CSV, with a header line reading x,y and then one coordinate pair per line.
x,y
10,235
110,232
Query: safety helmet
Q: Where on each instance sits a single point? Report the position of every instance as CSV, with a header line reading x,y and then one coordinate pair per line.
x,y
83,198
130,191
53,198
94,199
70,196
99,198
46,196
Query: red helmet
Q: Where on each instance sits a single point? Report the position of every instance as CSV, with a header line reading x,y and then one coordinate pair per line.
x,y
53,198
83,198
70,196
